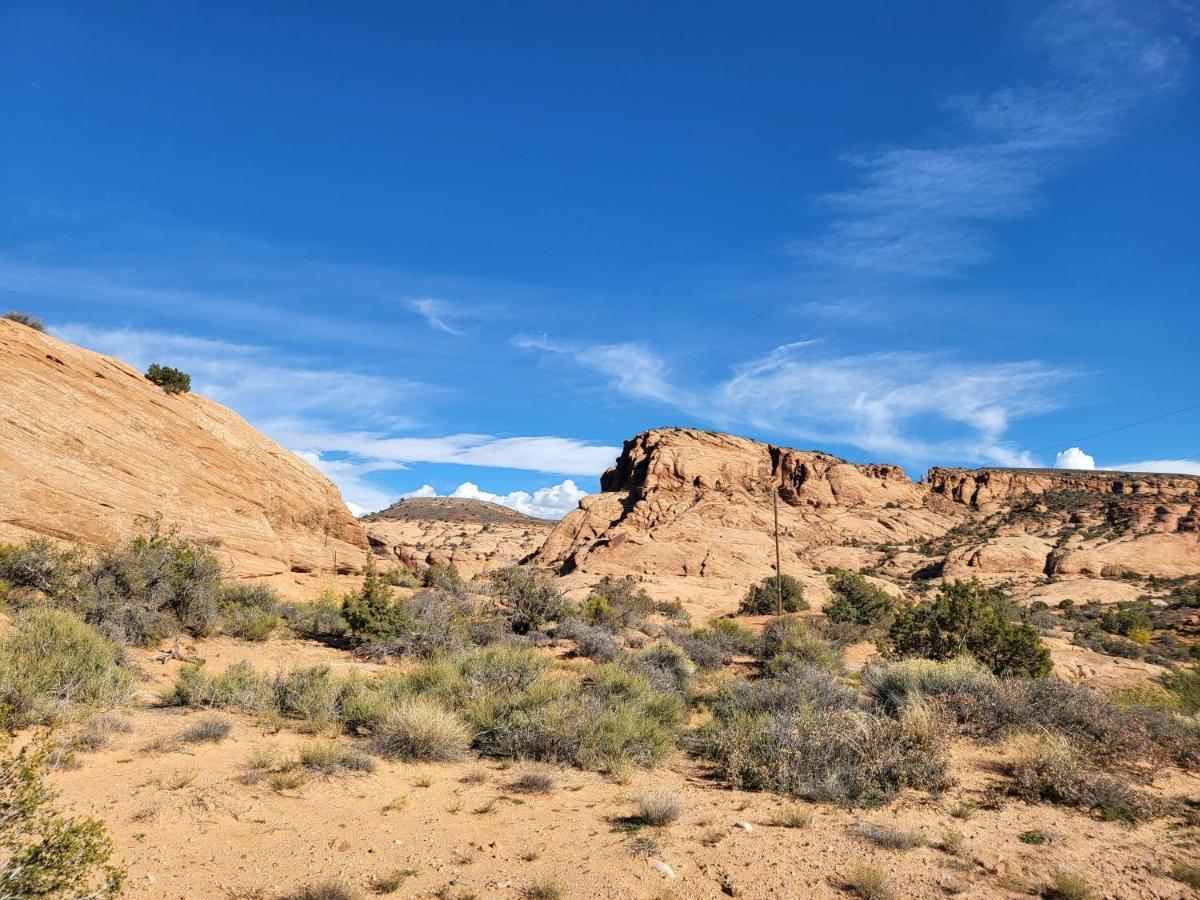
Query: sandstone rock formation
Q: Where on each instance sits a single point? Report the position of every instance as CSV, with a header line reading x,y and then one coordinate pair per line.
x,y
474,535
88,447
689,513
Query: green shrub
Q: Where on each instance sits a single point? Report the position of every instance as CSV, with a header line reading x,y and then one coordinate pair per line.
x,y
43,852
320,618
330,758
371,613
894,684
788,642
39,565
804,734
238,687
26,319
618,602
858,601
432,623
665,666
173,381
54,662
399,576
591,641
762,599
527,598
967,617
444,577
1126,619
420,729
1184,686
249,623
308,693
151,587
869,882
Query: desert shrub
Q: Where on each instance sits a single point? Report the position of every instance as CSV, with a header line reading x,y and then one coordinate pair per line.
x,y
1066,886
856,600
249,610
171,380
529,599
330,758
704,648
26,319
370,612
618,602
533,781
889,836
154,585
1048,767
1126,619
420,729
97,730
804,734
665,666
308,693
658,807
44,852
893,684
1184,687
54,662
444,577
323,890
320,618
868,882
432,623
207,731
762,599
729,636
39,565
590,641
788,642
400,576
238,687
1186,873
968,617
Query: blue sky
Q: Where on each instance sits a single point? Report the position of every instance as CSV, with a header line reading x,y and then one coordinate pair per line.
x,y
437,245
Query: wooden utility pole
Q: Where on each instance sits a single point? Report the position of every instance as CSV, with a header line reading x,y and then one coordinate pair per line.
x,y
778,569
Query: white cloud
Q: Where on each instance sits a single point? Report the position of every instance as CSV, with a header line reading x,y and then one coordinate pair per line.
x,y
925,211
436,314
878,401
551,502
1074,458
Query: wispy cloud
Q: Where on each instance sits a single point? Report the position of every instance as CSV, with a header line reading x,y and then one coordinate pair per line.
x,y
436,313
305,408
880,402
924,210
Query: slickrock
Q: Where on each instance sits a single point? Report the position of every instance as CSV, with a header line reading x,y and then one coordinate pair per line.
x,y
474,535
88,447
689,513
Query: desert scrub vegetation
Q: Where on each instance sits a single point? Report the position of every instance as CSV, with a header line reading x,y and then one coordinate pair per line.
x,y
857,601
171,380
762,599
967,617
788,643
658,808
54,664
44,852
153,586
504,701
23,318
803,733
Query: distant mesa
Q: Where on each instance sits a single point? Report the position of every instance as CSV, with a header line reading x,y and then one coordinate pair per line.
x,y
451,509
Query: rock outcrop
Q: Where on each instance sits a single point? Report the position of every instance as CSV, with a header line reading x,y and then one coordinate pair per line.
x,y
474,535
89,447
690,514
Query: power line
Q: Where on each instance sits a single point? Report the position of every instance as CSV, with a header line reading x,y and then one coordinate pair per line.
x,y
1087,437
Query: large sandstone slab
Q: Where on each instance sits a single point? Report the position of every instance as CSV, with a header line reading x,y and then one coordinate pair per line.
x,y
88,448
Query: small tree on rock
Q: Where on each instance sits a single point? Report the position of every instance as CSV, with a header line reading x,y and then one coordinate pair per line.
x,y
25,319
173,381
762,598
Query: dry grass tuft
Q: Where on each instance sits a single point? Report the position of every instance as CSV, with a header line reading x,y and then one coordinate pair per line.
x,y
658,807
889,837
791,817
1065,886
207,731
869,882
418,728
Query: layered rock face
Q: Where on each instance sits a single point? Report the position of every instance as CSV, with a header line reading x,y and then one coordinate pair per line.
x,y
474,535
689,513
88,447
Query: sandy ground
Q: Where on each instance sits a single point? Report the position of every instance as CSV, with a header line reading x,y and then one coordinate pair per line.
x,y
190,828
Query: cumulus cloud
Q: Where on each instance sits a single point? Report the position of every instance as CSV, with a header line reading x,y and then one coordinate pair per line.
x,y
551,502
1074,458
